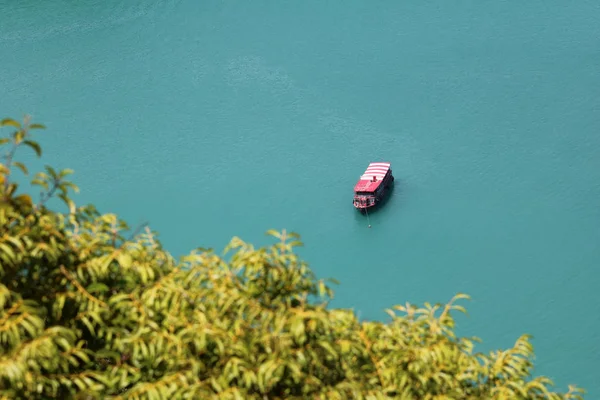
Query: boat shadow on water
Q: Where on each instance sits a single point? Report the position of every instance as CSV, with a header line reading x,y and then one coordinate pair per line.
x,y
381,205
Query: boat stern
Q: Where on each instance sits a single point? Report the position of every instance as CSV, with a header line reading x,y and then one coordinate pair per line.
x,y
362,202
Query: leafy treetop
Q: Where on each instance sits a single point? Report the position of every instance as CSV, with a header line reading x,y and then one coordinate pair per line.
x,y
88,311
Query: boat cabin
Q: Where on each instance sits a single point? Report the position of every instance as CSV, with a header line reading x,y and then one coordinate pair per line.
x,y
372,185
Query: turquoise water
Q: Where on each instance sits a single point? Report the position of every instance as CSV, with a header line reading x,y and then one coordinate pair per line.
x,y
217,119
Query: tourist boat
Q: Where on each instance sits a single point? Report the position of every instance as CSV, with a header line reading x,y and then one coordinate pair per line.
x,y
373,185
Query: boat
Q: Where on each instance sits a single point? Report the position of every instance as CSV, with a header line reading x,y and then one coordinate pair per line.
x,y
373,185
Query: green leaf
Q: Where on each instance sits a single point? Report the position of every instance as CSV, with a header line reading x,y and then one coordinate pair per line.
x,y
21,166
97,287
65,185
6,249
35,146
10,122
297,329
69,203
11,189
322,289
124,260
4,141
107,354
88,324
205,249
52,172
65,172
37,126
333,280
274,233
325,345
19,136
40,182
461,296
346,346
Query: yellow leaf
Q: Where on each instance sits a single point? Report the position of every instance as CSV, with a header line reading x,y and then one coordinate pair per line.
x,y
10,122
124,260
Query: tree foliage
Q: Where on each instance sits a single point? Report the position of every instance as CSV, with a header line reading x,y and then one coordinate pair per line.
x,y
90,309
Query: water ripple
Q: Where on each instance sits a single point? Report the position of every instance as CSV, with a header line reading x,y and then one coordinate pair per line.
x,y
337,126
69,18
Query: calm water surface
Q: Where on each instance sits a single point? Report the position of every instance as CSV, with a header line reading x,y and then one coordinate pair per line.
x,y
213,119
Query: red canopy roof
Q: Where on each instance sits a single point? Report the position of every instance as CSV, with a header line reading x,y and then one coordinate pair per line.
x,y
376,170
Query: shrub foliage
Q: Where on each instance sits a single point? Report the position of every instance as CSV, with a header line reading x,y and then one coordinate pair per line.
x,y
90,309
